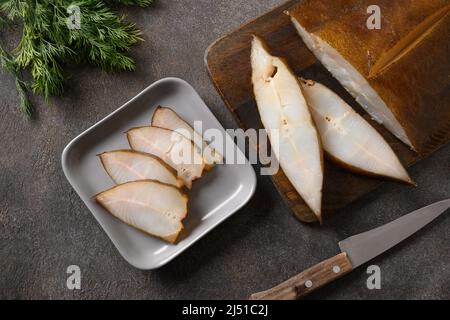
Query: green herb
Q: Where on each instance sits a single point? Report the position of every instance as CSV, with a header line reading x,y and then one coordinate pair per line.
x,y
7,63
101,38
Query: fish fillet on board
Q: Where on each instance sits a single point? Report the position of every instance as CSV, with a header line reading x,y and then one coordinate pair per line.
x,y
289,125
400,73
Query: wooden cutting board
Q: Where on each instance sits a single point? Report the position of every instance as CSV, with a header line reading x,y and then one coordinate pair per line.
x,y
228,63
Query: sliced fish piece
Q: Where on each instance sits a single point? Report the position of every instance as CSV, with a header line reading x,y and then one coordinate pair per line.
x,y
287,120
173,148
167,118
399,73
348,139
129,165
150,206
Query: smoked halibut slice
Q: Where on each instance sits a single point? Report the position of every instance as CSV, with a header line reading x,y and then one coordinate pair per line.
x,y
171,147
150,206
168,119
289,125
348,139
129,165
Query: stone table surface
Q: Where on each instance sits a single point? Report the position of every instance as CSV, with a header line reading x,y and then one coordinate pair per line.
x,y
45,227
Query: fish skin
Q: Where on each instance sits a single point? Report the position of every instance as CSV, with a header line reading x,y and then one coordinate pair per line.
x,y
415,88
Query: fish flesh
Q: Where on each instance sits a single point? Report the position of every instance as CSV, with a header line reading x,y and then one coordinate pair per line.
x,y
173,148
129,165
167,118
153,207
289,125
347,138
399,73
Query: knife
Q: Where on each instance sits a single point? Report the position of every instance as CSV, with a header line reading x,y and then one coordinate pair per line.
x,y
355,251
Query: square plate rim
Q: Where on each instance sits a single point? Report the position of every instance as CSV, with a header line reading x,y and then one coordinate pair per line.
x,y
152,266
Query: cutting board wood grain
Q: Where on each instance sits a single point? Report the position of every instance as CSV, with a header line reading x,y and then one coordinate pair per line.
x,y
228,63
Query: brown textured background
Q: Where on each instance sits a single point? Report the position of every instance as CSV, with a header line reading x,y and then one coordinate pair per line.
x,y
44,226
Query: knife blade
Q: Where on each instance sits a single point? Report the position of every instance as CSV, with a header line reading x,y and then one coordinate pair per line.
x,y
355,251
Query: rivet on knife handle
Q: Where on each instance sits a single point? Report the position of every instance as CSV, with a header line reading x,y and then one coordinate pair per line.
x,y
309,280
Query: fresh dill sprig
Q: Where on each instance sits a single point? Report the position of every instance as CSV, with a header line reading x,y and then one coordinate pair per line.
x,y
47,44
104,39
8,63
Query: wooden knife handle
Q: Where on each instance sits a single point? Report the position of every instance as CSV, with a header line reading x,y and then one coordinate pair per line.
x,y
309,280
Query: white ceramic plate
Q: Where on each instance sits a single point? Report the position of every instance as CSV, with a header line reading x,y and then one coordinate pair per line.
x,y
215,197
